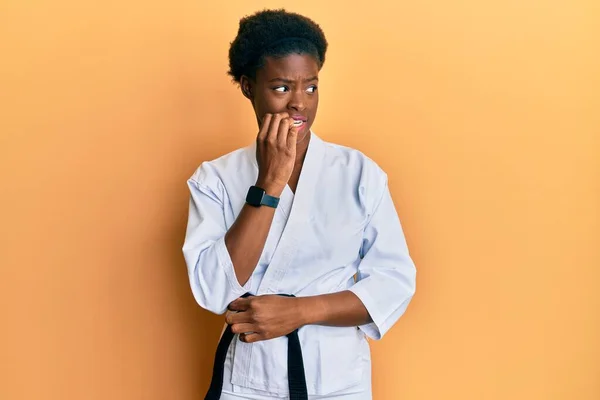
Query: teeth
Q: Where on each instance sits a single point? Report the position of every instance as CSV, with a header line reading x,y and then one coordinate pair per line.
x,y
298,122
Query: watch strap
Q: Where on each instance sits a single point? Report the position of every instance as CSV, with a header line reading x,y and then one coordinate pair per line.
x,y
269,201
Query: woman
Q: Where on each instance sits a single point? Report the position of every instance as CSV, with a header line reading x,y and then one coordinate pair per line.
x,y
293,215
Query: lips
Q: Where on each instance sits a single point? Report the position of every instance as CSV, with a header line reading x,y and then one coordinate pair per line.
x,y
299,120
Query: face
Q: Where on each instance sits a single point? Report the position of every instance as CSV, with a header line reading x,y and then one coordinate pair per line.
x,y
287,84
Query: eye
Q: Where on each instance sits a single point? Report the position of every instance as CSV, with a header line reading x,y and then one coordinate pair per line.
x,y
312,89
281,89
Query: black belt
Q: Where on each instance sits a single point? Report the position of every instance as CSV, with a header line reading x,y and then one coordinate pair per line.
x,y
296,377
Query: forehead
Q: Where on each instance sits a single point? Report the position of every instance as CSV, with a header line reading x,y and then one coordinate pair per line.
x,y
291,67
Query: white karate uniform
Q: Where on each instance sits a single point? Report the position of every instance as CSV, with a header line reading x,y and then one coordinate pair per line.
x,y
340,222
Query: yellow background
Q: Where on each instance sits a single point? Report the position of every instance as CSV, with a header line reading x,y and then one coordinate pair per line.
x,y
485,114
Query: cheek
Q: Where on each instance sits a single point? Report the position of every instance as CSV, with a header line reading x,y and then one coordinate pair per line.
x,y
269,103
314,103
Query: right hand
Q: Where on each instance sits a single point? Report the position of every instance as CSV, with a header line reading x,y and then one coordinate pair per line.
x,y
275,152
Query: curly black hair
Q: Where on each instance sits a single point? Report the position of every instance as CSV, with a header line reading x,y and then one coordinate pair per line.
x,y
273,33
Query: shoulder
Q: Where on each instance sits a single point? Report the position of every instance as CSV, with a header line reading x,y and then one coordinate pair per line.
x,y
356,171
225,165
355,163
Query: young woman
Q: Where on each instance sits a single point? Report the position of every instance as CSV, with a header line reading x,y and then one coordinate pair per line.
x,y
294,238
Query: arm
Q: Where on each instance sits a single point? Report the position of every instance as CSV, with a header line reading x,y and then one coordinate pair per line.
x,y
334,309
271,316
210,269
246,238
386,274
276,153
220,262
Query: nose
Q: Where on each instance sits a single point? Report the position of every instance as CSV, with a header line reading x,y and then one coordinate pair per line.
x,y
297,101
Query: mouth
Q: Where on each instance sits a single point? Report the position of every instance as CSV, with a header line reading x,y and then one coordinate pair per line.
x,y
299,123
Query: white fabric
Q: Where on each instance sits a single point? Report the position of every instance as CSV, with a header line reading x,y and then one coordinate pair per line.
x,y
341,222
360,392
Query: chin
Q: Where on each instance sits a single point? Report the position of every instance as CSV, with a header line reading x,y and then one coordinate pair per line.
x,y
302,136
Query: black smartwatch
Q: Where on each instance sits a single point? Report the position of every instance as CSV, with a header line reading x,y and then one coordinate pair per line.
x,y
257,197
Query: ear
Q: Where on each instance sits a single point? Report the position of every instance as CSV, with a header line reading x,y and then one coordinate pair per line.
x,y
247,87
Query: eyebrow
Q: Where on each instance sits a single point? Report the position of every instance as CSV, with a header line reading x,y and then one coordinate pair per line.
x,y
314,78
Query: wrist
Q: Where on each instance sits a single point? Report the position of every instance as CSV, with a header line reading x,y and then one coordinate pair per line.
x,y
308,310
271,188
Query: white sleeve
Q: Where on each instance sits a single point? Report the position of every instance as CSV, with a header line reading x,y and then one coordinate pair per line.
x,y
210,270
386,274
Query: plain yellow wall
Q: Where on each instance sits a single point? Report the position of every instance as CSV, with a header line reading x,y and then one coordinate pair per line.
x,y
485,114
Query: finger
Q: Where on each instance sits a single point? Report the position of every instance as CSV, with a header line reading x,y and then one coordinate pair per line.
x,y
292,138
251,337
243,328
274,127
282,134
264,127
240,304
232,318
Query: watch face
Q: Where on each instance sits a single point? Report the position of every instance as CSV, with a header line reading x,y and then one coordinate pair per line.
x,y
255,195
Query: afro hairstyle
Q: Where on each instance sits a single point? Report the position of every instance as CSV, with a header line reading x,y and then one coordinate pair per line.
x,y
273,33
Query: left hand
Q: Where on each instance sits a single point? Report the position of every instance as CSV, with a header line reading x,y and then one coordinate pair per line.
x,y
263,317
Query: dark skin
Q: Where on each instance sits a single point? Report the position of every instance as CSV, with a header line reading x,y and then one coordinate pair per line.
x,y
284,91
